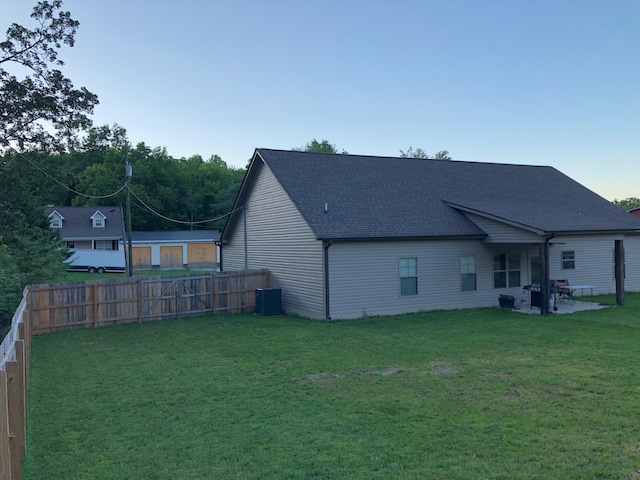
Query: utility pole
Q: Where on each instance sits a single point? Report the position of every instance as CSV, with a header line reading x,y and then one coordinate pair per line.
x,y
128,172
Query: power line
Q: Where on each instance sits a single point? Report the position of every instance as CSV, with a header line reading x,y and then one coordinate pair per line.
x,y
35,165
125,185
183,222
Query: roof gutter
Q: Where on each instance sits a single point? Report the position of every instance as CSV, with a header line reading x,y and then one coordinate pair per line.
x,y
327,303
403,239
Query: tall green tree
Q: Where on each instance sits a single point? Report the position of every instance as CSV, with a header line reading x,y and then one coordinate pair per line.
x,y
30,251
187,191
32,88
9,295
34,91
627,203
420,153
323,146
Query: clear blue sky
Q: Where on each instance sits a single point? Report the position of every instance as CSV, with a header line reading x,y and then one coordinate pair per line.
x,y
549,82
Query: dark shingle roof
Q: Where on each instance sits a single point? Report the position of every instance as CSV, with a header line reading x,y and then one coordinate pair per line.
x,y
386,197
177,236
77,223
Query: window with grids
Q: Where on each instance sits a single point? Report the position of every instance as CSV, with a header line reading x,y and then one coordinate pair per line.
x,y
408,276
468,273
104,245
506,270
568,260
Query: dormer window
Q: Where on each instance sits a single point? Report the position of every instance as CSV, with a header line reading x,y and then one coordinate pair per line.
x,y
55,220
98,219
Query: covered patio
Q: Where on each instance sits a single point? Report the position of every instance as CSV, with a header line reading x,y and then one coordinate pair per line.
x,y
562,308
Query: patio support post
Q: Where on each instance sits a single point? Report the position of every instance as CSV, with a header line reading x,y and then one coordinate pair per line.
x,y
545,294
619,271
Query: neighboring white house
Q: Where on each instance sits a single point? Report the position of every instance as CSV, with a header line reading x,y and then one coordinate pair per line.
x,y
175,249
92,234
345,236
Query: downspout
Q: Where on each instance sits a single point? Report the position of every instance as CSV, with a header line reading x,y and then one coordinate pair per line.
x,y
327,304
545,293
219,245
244,224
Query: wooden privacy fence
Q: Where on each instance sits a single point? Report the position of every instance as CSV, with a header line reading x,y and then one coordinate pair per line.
x,y
14,378
65,306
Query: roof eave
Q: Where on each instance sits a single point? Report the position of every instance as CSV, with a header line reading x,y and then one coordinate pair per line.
x,y
496,218
240,195
595,232
403,238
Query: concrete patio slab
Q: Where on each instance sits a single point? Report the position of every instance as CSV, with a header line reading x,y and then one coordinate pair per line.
x,y
562,307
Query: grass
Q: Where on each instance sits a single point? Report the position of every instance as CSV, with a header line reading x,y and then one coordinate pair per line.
x,y
475,394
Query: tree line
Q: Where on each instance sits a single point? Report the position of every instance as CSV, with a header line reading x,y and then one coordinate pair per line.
x,y
51,154
196,193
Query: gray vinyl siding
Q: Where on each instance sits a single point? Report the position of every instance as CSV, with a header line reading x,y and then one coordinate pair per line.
x,y
279,240
498,232
364,277
594,261
632,263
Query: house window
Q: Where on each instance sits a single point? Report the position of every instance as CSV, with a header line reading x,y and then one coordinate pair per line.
x,y
468,273
568,260
408,276
104,245
506,270
98,222
71,244
56,222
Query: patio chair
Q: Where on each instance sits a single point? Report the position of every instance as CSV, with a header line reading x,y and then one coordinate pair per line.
x,y
565,294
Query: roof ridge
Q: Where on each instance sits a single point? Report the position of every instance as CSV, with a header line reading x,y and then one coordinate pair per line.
x,y
385,157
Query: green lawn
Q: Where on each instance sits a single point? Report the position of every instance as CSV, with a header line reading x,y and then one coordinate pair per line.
x,y
475,394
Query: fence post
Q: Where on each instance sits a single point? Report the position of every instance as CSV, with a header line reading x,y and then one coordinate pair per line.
x,y
5,453
94,305
16,395
24,361
139,284
213,293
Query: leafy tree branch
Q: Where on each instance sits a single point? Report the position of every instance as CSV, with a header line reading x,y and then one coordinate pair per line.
x,y
43,109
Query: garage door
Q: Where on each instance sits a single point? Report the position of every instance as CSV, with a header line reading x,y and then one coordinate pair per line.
x,y
202,255
171,257
141,257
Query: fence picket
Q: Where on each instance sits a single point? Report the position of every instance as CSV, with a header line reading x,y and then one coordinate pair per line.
x,y
15,407
5,453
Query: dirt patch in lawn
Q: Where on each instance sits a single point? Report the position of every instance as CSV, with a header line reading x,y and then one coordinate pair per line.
x,y
327,377
441,369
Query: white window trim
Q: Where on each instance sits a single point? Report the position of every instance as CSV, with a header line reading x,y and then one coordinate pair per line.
x,y
400,276
563,260
475,272
98,217
55,217
508,270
